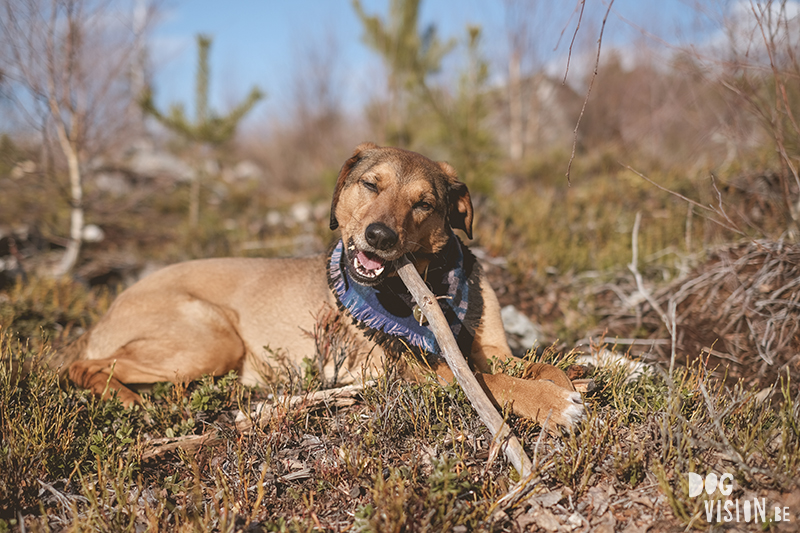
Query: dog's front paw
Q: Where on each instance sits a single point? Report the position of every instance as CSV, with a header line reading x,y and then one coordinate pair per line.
x,y
573,412
97,376
551,405
540,399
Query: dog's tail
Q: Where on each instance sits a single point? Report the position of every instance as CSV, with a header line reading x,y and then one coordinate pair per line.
x,y
61,359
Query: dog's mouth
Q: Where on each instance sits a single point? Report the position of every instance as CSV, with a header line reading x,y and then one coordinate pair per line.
x,y
366,267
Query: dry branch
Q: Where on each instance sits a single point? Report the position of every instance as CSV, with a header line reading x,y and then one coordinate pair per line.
x,y
455,360
263,411
720,211
740,310
591,83
667,319
158,447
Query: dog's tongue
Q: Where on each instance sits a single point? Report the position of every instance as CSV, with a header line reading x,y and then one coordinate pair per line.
x,y
367,262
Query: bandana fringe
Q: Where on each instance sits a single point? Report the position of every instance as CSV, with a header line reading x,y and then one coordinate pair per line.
x,y
454,272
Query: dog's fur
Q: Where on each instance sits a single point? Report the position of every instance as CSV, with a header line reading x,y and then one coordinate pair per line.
x,y
216,315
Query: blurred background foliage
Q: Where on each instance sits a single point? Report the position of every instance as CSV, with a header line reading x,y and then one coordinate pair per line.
x,y
717,125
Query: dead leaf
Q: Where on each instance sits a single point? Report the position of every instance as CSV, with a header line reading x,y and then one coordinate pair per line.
x,y
546,520
547,499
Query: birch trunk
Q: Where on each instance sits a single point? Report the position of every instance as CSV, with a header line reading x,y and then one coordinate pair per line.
x,y
70,258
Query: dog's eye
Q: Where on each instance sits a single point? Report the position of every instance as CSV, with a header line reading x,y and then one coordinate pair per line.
x,y
370,186
424,206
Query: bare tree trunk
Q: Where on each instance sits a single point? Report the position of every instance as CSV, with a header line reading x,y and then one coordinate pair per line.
x,y
67,53
203,156
194,200
516,146
70,258
69,112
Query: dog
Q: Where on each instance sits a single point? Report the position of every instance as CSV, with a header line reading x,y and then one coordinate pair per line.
x,y
212,316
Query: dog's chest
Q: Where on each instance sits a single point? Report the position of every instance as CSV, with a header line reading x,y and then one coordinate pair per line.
x,y
385,312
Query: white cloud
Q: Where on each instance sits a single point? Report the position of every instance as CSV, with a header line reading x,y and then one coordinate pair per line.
x,y
746,28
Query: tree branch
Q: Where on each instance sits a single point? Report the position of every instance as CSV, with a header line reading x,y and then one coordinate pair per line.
x,y
455,360
589,90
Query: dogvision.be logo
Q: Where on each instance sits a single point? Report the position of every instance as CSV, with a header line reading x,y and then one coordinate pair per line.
x,y
727,510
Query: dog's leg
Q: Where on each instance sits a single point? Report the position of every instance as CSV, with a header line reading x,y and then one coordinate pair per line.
x,y
543,371
150,361
547,391
538,399
490,343
551,397
100,376
139,343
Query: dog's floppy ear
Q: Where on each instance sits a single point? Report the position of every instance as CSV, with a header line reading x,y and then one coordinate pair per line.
x,y
459,201
340,181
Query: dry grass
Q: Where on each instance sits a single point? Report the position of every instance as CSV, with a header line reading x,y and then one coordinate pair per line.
x,y
738,311
404,457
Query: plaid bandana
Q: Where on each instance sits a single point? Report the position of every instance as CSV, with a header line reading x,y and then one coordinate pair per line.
x,y
387,310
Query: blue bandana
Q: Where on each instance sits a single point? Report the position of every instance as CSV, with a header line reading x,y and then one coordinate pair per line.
x,y
387,310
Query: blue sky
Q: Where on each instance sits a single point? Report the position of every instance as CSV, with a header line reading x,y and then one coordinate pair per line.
x,y
262,42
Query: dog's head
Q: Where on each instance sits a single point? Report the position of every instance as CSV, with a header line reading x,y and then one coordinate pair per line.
x,y
389,202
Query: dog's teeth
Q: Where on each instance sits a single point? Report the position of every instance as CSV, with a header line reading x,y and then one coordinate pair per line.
x,y
366,272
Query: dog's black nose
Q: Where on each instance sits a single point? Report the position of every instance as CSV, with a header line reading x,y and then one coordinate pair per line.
x,y
380,236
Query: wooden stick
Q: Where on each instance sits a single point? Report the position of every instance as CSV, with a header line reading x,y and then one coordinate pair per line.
x,y
157,447
263,411
455,360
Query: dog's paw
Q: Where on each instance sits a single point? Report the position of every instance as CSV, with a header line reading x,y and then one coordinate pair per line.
x,y
539,399
98,378
573,412
79,373
554,406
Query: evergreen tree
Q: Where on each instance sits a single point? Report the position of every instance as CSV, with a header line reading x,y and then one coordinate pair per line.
x,y
209,130
410,56
420,113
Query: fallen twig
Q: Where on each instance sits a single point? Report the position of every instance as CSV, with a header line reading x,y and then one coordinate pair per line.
x,y
263,411
741,307
455,360
669,320
158,447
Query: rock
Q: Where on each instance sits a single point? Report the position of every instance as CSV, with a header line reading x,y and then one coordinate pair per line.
x,y
273,218
10,270
521,332
246,170
147,162
113,182
322,211
301,212
606,358
22,168
92,233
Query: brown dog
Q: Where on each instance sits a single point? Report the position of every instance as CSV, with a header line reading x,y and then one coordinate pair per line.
x,y
216,315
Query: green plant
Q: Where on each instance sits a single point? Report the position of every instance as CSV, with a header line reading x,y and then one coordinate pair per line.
x,y
407,456
213,394
208,130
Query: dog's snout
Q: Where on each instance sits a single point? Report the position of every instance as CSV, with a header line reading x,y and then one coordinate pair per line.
x,y
380,236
